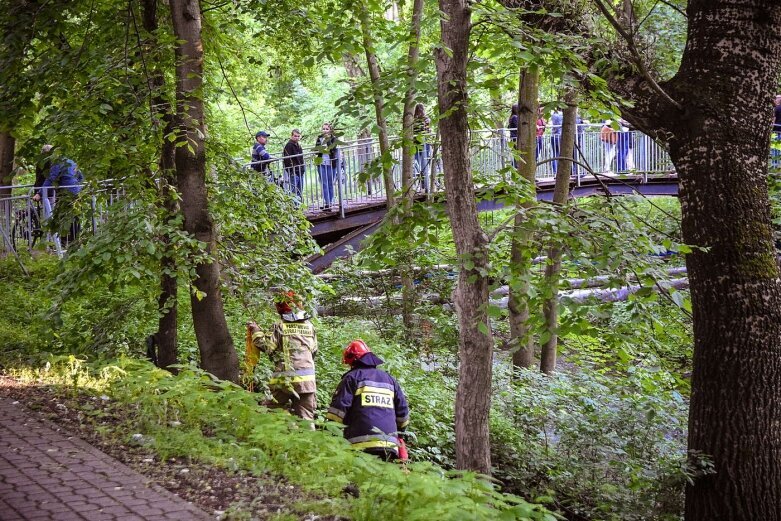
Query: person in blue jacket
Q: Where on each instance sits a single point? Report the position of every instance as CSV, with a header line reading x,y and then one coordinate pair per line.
x,y
64,174
260,157
370,403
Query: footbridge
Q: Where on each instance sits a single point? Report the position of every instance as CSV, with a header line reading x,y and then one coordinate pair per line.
x,y
352,184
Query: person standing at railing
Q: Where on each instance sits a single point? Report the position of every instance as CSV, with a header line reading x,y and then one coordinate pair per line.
x,y
623,148
328,152
66,175
609,138
260,157
556,119
540,133
421,125
512,124
293,162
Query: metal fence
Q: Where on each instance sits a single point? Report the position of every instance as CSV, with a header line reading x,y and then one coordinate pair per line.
x,y
24,221
354,177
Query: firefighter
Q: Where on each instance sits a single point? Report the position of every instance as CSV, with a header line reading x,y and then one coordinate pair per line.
x,y
371,405
291,347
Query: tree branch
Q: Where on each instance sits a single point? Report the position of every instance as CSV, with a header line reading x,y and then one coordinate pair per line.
x,y
637,59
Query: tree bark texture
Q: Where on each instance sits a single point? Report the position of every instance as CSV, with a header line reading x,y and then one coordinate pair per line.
x,y
407,152
719,143
521,340
379,101
167,306
211,329
7,152
550,306
473,397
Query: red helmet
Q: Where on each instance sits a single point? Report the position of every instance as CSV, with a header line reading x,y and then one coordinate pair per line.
x,y
285,301
354,351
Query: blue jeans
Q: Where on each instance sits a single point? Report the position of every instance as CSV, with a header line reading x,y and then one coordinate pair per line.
x,y
622,149
296,177
327,181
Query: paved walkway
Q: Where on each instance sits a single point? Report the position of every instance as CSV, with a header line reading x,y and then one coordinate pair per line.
x,y
47,475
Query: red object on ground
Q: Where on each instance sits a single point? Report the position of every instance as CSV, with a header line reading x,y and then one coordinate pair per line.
x,y
403,455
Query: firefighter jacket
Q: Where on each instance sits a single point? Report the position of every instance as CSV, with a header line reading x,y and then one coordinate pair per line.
x,y
371,405
291,348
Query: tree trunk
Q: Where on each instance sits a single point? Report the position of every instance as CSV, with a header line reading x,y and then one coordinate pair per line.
x,y
166,336
553,267
521,340
407,154
715,113
211,329
7,150
379,102
473,397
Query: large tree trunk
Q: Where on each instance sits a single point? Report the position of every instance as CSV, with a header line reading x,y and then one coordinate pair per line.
x,y
407,153
7,150
716,113
521,340
211,329
166,336
735,414
550,306
379,101
473,397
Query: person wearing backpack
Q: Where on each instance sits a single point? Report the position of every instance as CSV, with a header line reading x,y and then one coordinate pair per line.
x,y
66,176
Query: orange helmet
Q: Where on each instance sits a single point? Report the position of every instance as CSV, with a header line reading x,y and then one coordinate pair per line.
x,y
354,351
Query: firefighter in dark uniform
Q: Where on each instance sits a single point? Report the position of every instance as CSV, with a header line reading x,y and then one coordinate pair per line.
x,y
291,347
370,403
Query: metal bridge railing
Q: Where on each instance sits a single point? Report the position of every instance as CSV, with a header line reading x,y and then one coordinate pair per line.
x,y
23,221
632,153
357,179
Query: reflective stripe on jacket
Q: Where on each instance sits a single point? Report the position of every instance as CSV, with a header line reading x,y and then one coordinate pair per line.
x,y
371,405
291,348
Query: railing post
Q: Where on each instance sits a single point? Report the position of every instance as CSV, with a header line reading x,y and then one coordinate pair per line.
x,y
339,182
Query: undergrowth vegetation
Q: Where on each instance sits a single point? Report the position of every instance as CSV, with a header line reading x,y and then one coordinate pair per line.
x,y
602,439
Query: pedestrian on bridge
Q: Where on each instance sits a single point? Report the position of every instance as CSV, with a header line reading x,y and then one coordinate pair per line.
x,y
421,125
557,120
293,161
540,133
291,347
64,174
260,157
328,153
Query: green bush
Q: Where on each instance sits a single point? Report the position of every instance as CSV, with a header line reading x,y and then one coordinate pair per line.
x,y
194,416
604,447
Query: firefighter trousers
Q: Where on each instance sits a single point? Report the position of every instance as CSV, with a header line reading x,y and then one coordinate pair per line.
x,y
302,406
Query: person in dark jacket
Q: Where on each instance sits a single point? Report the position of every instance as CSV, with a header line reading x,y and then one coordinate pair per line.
x,y
370,403
421,126
260,157
293,162
328,168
